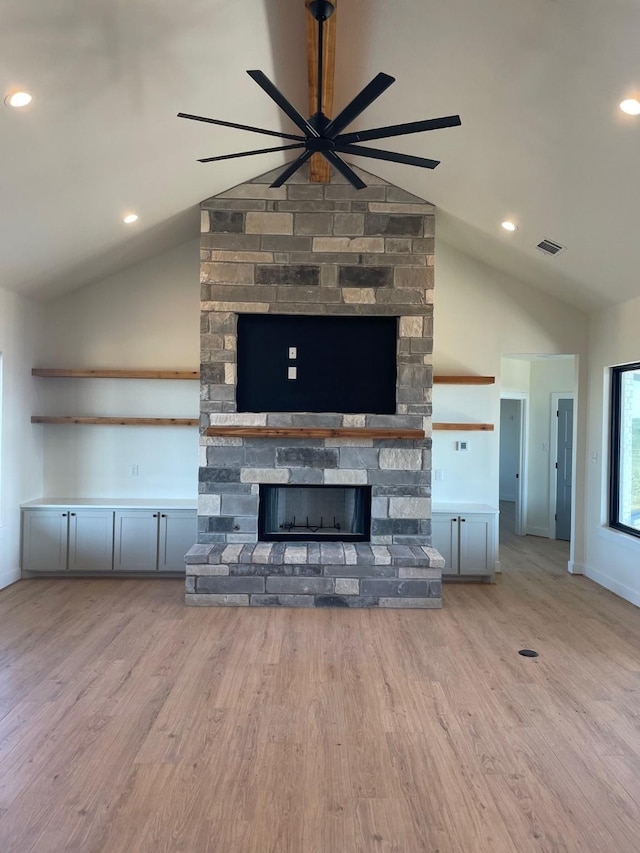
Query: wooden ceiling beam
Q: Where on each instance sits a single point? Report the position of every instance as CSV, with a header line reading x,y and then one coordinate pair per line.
x,y
320,168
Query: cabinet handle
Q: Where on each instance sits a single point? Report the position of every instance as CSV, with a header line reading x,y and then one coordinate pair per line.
x,y
163,515
64,514
454,519
72,513
463,519
155,514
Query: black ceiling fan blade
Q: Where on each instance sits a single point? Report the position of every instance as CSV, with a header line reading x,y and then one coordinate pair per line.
x,y
392,156
291,169
241,126
249,153
399,129
362,100
276,95
345,170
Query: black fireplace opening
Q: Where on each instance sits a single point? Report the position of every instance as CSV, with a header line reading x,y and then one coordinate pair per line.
x,y
314,513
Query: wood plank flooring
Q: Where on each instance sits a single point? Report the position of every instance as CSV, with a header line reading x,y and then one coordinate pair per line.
x,y
130,723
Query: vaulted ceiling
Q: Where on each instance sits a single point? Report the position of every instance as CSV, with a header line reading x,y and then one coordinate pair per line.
x,y
537,84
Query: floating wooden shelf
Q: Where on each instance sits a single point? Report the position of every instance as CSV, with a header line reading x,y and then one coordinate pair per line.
x,y
464,427
56,372
313,432
464,380
46,419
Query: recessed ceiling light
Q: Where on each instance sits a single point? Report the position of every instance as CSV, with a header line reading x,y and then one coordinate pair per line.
x,y
509,226
130,218
18,99
631,106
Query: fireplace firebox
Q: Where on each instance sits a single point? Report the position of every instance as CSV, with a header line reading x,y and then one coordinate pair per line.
x,y
314,513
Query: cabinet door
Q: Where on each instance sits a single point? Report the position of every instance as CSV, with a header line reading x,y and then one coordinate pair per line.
x,y
476,544
91,540
136,540
44,540
178,533
444,536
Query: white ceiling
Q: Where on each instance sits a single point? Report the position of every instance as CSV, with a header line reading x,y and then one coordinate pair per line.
x,y
536,82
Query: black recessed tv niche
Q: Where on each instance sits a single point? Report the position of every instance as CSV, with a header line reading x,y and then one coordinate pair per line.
x,y
316,364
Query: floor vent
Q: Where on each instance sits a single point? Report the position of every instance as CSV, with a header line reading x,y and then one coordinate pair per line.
x,y
549,247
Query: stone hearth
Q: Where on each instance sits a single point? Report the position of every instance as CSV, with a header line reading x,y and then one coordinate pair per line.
x,y
321,250
333,574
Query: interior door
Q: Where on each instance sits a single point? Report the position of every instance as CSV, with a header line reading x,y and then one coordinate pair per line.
x,y
564,465
512,461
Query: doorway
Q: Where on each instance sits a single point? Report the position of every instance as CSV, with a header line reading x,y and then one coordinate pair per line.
x,y
512,462
542,381
561,479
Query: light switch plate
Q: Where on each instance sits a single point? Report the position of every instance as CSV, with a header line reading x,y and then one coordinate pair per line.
x,y
293,352
292,373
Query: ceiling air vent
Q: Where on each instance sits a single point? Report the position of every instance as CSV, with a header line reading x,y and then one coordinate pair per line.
x,y
549,247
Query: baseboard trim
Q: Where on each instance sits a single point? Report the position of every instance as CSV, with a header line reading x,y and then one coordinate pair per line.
x,y
575,568
497,568
629,594
543,532
7,578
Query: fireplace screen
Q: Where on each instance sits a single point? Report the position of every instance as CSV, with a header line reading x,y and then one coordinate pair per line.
x,y
315,513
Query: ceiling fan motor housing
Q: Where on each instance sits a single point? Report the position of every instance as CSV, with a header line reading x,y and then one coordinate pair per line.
x,y
321,9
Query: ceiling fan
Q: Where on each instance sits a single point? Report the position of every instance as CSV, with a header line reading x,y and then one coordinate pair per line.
x,y
323,135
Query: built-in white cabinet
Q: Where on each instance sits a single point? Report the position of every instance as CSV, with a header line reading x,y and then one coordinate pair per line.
x,y
90,540
44,540
178,533
56,540
62,537
147,540
467,539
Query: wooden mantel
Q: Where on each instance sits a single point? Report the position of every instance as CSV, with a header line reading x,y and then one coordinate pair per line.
x,y
313,432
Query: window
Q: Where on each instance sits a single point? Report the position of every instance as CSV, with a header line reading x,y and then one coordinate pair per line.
x,y
624,511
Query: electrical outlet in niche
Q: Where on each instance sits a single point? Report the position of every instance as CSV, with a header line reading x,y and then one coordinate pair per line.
x,y
341,364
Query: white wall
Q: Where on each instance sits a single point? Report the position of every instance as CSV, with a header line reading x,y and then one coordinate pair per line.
x,y
515,375
20,441
145,317
481,315
612,558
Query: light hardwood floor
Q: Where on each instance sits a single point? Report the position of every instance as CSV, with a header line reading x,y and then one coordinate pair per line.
x,y
130,723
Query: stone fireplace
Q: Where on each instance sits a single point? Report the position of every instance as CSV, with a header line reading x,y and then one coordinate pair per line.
x,y
299,505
